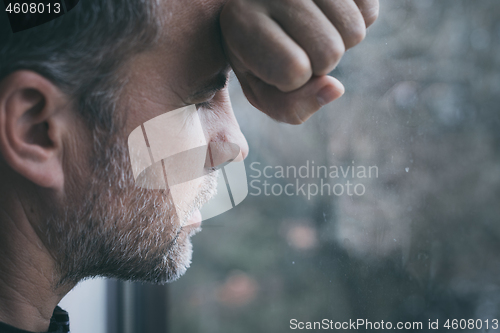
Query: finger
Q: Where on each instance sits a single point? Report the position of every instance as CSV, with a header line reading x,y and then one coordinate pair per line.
x,y
265,50
292,107
346,17
305,23
369,9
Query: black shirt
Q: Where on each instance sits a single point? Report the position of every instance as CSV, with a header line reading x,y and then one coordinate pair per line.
x,y
59,323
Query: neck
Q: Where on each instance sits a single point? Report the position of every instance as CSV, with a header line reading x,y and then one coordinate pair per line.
x,y
28,278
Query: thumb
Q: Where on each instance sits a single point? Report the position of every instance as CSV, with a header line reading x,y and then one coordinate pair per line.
x,y
293,107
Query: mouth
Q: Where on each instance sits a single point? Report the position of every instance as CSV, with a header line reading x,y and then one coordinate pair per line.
x,y
209,189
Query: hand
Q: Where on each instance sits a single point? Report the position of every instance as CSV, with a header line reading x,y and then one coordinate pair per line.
x,y
282,50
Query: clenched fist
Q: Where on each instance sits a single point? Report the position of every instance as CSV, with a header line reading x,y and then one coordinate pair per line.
x,y
282,50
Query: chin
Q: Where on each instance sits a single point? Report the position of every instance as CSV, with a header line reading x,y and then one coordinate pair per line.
x,y
177,260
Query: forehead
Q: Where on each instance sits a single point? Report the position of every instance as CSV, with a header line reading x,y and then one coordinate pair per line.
x,y
187,54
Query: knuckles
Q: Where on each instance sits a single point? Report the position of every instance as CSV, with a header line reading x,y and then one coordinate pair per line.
x,y
369,10
372,17
292,73
328,56
355,34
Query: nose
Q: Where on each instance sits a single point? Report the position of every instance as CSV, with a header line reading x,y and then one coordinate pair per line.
x,y
230,131
221,126
239,138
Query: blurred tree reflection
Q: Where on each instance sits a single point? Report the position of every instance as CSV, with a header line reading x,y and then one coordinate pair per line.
x,y
422,104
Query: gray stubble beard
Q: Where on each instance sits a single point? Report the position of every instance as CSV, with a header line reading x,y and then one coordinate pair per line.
x,y
113,229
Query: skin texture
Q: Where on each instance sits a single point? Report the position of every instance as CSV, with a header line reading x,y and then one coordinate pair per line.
x,y
68,212
281,51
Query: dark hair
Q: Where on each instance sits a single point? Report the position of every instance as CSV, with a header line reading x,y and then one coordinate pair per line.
x,y
81,51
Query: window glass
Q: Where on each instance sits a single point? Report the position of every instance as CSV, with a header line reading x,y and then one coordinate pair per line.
x,y
382,207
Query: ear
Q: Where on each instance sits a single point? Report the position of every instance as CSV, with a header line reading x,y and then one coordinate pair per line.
x,y
32,128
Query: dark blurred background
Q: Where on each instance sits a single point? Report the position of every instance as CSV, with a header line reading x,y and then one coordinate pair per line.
x,y
422,104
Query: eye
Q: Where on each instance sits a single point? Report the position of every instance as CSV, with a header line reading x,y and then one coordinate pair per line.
x,y
209,105
210,102
212,96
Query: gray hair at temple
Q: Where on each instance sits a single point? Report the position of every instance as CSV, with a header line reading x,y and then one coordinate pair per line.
x,y
81,52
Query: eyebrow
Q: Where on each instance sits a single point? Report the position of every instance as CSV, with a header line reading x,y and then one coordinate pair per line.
x,y
211,86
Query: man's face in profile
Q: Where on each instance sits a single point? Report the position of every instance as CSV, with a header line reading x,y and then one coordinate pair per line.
x,y
129,232
75,90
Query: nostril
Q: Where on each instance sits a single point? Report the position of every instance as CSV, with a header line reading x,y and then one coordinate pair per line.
x,y
245,149
243,145
235,137
221,153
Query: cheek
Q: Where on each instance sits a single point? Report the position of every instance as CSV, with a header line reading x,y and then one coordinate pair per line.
x,y
169,151
153,147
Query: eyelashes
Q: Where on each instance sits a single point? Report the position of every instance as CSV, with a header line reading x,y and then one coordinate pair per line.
x,y
208,105
212,102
